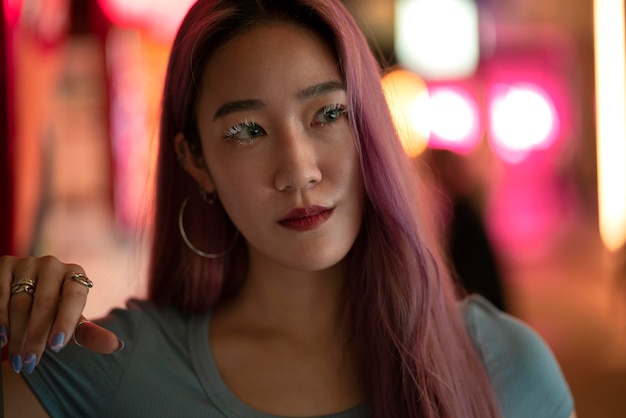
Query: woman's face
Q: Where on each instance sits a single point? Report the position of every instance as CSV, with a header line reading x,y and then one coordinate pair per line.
x,y
279,148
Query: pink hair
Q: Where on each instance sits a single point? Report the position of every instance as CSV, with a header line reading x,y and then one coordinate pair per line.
x,y
415,357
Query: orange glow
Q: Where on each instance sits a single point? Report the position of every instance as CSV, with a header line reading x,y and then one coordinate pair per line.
x,y
610,76
407,97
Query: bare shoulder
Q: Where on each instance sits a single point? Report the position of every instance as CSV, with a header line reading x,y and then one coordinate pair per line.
x,y
19,399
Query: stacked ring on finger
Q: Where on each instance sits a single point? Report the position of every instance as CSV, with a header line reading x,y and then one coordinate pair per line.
x,y
25,285
80,278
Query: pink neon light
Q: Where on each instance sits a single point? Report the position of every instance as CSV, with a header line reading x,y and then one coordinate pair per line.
x,y
522,119
12,9
159,17
454,119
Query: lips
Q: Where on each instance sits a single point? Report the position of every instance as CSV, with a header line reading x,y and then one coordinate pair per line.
x,y
307,218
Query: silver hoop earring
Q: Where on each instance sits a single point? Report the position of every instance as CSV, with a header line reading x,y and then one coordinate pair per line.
x,y
201,253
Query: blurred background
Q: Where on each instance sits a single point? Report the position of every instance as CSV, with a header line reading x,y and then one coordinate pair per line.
x,y
516,107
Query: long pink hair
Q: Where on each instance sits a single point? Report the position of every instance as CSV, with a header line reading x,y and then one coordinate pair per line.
x,y
415,356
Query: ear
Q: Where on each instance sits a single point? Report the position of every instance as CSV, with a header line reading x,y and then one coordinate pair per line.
x,y
193,164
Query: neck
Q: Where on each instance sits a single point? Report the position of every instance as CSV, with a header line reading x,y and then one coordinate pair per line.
x,y
298,303
280,343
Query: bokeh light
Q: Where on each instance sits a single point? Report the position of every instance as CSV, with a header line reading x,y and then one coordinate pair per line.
x,y
160,18
522,118
454,119
610,67
438,39
407,97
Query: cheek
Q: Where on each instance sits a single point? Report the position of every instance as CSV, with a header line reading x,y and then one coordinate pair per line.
x,y
227,172
236,190
350,172
238,187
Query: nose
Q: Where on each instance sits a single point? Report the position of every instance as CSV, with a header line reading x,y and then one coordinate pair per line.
x,y
297,163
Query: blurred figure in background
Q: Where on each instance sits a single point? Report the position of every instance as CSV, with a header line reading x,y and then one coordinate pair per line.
x,y
473,259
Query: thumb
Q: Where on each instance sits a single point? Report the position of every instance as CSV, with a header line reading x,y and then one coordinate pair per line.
x,y
96,338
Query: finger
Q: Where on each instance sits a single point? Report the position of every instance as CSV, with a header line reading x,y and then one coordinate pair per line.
x,y
44,310
20,306
96,338
71,304
6,277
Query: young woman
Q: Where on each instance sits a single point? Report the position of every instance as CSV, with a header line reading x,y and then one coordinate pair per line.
x,y
300,281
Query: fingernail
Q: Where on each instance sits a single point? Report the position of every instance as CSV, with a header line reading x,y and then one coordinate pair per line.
x,y
120,346
4,336
16,363
30,361
57,342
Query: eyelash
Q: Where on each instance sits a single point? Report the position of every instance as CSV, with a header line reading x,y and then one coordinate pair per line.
x,y
251,130
336,107
235,132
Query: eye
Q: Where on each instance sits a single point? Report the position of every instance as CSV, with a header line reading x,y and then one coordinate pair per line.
x,y
330,114
244,132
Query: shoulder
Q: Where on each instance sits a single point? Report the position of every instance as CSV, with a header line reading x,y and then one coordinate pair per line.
x,y
500,336
154,361
525,374
141,318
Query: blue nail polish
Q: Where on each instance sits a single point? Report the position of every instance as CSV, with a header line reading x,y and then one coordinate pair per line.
x,y
57,342
16,363
4,336
30,361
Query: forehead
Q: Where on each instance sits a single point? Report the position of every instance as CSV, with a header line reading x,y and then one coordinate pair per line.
x,y
269,59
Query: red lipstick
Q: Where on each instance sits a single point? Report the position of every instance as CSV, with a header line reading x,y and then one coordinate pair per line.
x,y
307,218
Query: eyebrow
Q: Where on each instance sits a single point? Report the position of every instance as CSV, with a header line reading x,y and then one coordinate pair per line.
x,y
256,104
321,88
238,106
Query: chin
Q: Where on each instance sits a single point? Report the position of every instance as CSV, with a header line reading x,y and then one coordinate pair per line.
x,y
318,262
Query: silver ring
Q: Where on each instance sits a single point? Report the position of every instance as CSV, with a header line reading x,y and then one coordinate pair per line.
x,y
25,285
81,322
79,278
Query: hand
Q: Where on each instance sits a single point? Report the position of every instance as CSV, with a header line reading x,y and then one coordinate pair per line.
x,y
48,311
